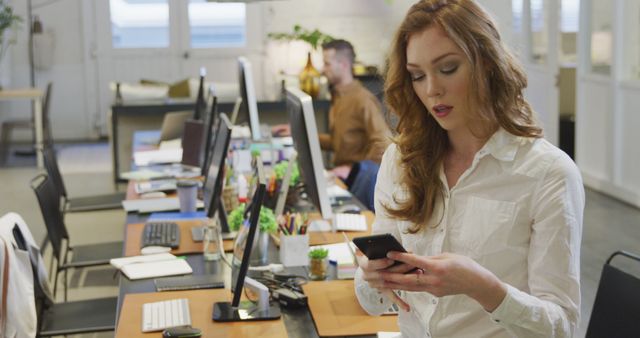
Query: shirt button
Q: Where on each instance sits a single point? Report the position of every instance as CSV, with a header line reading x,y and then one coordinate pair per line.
x,y
441,229
434,301
497,320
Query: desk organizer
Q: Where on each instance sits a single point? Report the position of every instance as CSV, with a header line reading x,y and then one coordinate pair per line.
x,y
294,250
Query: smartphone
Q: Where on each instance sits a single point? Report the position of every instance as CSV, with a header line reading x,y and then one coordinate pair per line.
x,y
377,246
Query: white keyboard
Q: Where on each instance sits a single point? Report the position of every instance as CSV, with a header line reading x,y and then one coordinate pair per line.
x,y
169,313
350,222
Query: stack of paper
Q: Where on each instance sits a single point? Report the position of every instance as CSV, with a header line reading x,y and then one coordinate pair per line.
x,y
147,205
143,158
151,266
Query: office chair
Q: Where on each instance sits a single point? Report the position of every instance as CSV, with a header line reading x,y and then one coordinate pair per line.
x,y
83,255
78,204
54,319
362,182
616,310
8,126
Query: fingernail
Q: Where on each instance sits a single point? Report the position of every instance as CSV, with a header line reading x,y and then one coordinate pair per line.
x,y
390,255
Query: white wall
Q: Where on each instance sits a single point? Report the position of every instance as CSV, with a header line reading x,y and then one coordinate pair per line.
x,y
368,24
63,22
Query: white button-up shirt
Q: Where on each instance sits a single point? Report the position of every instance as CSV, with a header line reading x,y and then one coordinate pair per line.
x,y
517,211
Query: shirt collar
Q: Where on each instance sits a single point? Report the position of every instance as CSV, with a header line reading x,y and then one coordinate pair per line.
x,y
503,145
345,90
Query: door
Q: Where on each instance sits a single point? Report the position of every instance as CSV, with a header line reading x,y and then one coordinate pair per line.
x,y
169,41
539,54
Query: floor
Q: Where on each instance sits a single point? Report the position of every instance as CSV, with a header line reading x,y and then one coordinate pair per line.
x,y
609,225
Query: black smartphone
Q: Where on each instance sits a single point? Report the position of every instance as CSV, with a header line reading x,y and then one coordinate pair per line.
x,y
377,246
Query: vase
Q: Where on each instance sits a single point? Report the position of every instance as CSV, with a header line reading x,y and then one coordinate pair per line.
x,y
260,251
310,79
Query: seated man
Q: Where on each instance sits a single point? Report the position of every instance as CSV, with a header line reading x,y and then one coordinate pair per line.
x,y
357,129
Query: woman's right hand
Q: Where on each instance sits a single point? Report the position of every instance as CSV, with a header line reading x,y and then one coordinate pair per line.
x,y
371,274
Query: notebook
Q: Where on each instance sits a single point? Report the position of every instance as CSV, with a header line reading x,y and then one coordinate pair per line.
x,y
120,262
156,269
173,124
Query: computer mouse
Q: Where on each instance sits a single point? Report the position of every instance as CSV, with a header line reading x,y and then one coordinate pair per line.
x,y
150,250
181,332
348,209
153,194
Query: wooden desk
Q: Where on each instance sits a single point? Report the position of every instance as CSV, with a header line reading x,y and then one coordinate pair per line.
x,y
35,95
200,308
298,323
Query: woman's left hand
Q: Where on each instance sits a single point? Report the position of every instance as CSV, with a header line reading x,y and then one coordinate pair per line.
x,y
447,274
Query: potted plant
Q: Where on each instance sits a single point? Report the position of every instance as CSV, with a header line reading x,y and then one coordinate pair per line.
x,y
8,21
318,261
314,37
266,225
310,76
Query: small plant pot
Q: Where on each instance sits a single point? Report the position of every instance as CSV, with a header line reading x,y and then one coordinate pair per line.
x,y
318,268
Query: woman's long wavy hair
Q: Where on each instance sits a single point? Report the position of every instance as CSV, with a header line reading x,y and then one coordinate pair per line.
x,y
496,85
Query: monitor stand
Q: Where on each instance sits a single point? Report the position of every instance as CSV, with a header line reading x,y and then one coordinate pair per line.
x,y
246,311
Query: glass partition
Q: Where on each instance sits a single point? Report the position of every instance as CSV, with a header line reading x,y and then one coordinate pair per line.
x,y
601,37
632,47
539,31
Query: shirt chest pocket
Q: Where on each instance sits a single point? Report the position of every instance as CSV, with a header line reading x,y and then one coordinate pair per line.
x,y
486,225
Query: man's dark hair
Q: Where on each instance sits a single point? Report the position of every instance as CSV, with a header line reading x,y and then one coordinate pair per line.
x,y
342,47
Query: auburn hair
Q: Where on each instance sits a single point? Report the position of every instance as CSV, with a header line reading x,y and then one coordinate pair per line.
x,y
496,85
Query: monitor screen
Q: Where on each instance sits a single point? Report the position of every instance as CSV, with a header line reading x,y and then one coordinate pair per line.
x,y
210,120
247,232
201,104
307,144
212,189
249,108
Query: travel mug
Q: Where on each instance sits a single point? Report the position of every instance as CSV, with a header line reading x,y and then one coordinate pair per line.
x,y
187,195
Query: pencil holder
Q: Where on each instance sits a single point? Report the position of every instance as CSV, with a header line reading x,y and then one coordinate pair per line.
x,y
294,250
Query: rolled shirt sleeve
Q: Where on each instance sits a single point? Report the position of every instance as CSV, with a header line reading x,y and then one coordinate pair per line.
x,y
372,301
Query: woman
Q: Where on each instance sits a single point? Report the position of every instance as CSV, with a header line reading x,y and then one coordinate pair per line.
x,y
490,212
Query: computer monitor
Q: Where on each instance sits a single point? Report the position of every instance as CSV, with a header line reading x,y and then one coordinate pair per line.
x,y
209,123
201,104
212,189
246,311
249,108
307,144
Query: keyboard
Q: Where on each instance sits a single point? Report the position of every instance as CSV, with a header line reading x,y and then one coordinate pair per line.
x,y
350,222
161,234
189,283
169,313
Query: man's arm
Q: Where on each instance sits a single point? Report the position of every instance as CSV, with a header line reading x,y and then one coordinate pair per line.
x,y
325,141
378,132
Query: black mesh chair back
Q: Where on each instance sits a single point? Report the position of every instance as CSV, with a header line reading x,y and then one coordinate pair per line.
x,y
47,137
48,198
51,165
616,310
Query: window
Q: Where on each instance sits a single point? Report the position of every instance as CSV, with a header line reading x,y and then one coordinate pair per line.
x,y
216,24
146,24
139,23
